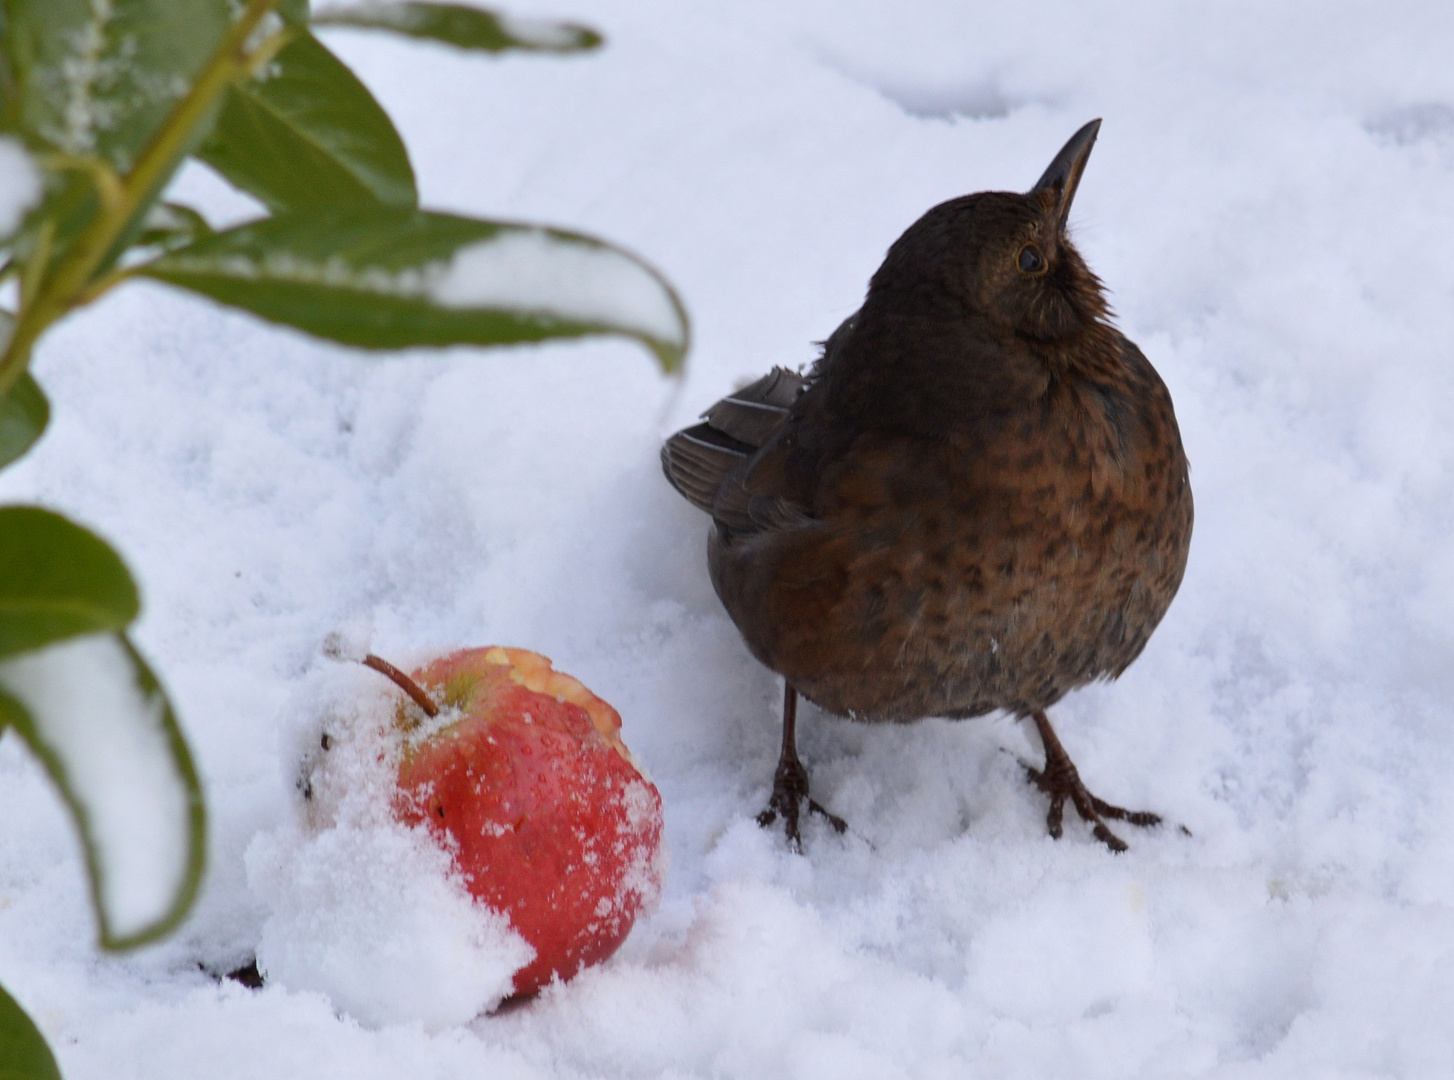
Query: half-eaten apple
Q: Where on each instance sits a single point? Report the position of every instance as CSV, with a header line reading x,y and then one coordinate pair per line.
x,y
520,773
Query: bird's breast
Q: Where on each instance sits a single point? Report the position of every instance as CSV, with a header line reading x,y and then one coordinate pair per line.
x,y
1030,552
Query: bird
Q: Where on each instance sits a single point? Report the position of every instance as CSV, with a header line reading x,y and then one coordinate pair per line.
x,y
975,501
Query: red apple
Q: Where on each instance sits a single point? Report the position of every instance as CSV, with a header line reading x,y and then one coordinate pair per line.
x,y
524,779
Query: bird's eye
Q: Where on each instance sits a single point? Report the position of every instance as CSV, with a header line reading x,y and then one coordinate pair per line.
x,y
1030,261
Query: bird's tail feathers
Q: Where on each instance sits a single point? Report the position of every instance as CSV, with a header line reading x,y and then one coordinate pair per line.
x,y
698,459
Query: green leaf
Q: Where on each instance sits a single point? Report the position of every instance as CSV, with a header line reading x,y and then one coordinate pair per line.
x,y
95,79
24,412
57,580
169,225
23,1052
383,278
91,710
463,27
87,84
307,133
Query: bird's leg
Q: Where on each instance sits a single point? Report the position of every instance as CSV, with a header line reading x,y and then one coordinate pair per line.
x,y
790,782
1060,780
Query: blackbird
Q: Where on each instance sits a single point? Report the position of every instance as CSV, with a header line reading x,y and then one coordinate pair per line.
x,y
976,500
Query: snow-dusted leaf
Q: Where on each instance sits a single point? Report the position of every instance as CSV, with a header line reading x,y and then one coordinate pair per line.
x,y
23,1052
57,580
24,413
385,278
306,132
96,78
463,27
93,713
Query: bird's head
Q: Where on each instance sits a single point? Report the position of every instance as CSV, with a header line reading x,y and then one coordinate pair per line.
x,y
1002,257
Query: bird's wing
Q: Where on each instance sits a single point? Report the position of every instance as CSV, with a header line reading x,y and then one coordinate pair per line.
x,y
707,463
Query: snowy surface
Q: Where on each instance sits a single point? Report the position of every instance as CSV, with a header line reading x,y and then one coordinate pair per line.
x,y
1269,202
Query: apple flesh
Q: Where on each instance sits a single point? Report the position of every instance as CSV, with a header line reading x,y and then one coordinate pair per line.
x,y
524,779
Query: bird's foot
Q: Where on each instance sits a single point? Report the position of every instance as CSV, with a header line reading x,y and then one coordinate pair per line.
x,y
1060,780
789,793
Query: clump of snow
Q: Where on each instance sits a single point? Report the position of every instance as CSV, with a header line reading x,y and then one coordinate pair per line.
x,y
351,640
372,917
333,272
108,735
540,33
362,909
20,183
268,26
81,71
535,271
387,13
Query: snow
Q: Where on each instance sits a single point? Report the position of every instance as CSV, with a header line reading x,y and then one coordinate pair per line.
x,y
1268,201
19,184
109,739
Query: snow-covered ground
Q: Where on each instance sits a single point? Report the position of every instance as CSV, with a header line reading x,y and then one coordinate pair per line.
x,y
1270,204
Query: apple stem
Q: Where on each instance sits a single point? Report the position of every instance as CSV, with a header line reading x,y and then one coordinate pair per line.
x,y
403,682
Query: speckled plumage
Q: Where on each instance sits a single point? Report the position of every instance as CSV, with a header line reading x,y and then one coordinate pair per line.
x,y
977,499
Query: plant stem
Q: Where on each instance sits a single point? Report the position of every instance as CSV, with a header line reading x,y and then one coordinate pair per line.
x,y
104,284
61,290
30,272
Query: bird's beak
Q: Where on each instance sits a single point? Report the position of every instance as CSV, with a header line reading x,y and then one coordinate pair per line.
x,y
1063,176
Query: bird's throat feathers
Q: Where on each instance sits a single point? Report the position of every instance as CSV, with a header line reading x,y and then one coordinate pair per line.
x,y
927,376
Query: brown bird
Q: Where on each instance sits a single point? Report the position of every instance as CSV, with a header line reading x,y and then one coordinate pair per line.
x,y
977,499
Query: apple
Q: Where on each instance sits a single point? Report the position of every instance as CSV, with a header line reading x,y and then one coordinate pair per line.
x,y
520,773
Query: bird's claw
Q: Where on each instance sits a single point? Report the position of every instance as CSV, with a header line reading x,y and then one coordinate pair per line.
x,y
1060,780
789,793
